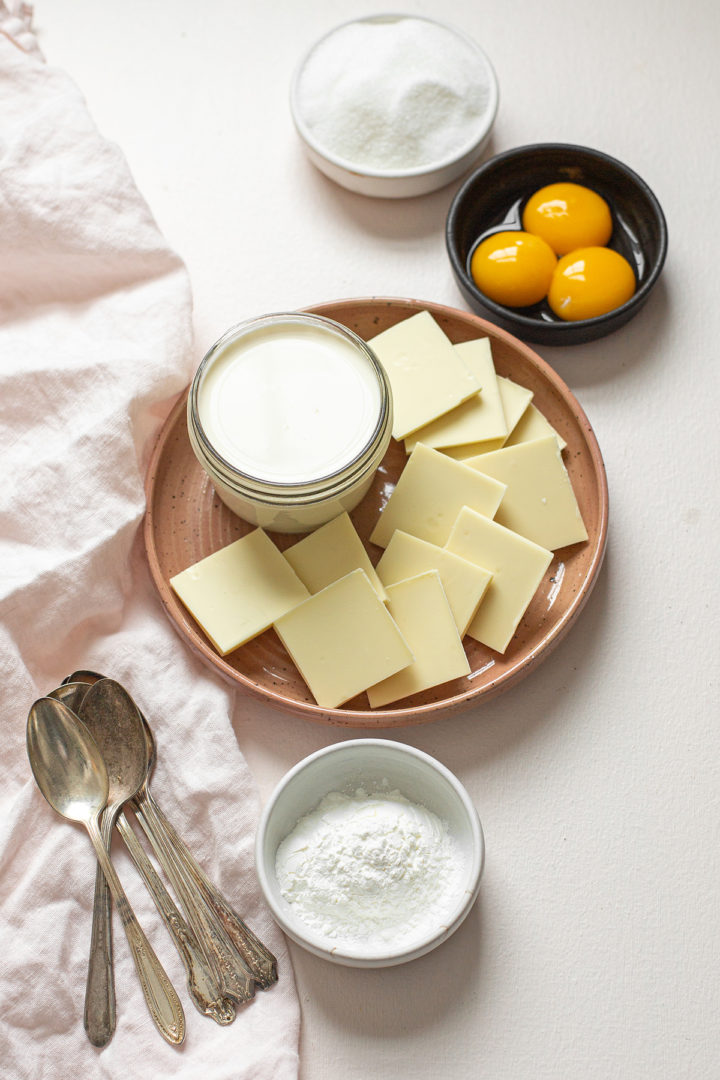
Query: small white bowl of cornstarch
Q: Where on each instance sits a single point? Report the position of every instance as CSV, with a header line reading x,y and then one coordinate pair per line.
x,y
369,853
394,105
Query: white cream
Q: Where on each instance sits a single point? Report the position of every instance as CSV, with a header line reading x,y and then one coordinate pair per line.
x,y
289,402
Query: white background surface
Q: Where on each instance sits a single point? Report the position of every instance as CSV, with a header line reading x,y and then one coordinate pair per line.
x,y
593,950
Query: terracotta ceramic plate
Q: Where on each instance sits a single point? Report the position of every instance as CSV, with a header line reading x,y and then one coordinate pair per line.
x,y
186,521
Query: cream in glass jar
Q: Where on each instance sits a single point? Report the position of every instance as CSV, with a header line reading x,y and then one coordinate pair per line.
x,y
290,415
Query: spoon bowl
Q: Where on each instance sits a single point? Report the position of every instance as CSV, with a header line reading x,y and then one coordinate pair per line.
x,y
71,694
66,762
111,717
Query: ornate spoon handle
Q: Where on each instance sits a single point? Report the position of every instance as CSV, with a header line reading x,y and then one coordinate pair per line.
x,y
235,979
160,995
257,957
100,1015
202,984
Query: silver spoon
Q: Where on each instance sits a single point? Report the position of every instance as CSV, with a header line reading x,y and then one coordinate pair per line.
x,y
70,771
99,1016
126,770
202,984
233,975
111,716
256,956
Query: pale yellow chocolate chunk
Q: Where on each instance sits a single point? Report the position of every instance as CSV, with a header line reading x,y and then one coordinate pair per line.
x,y
539,503
464,583
533,425
343,640
426,375
515,400
238,592
420,609
479,418
517,565
329,553
429,495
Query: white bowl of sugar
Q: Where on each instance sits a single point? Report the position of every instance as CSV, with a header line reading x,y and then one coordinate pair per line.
x,y
369,853
394,105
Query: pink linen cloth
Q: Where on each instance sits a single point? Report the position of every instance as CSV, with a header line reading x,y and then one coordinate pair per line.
x,y
95,345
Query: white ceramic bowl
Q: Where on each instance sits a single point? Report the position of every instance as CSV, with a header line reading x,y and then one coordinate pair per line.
x,y
396,183
374,764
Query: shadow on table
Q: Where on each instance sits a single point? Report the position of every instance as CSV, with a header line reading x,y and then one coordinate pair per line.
x,y
396,1001
612,360
394,220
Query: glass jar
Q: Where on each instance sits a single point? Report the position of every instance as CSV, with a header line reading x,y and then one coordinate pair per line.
x,y
290,415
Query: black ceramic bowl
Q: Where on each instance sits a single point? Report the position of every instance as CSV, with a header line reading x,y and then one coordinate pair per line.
x,y
492,199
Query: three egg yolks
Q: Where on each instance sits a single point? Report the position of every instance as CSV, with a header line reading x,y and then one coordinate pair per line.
x,y
519,268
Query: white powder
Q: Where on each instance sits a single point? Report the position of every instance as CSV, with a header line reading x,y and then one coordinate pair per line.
x,y
370,868
394,93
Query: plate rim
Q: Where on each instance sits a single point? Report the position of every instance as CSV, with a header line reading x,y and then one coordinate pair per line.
x,y
405,715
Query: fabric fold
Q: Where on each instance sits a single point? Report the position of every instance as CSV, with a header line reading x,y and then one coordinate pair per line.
x,y
95,346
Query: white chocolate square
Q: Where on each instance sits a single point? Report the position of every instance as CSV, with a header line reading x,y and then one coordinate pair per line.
x,y
343,640
517,565
330,553
464,583
479,418
515,400
539,503
429,495
533,425
426,375
237,592
420,608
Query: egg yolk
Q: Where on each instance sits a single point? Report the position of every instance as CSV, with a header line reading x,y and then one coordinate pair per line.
x,y
590,282
513,268
568,216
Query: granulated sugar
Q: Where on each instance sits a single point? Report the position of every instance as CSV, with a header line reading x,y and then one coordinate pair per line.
x,y
394,93
370,868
